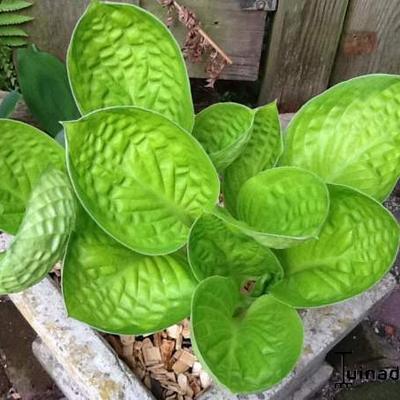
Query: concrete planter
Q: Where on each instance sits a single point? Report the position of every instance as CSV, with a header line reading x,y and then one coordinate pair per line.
x,y
85,367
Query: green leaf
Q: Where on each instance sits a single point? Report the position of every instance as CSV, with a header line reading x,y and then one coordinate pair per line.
x,y
246,348
12,31
283,206
8,105
357,246
117,290
14,5
218,248
261,153
44,84
43,235
122,55
13,19
12,41
223,130
350,135
25,153
142,178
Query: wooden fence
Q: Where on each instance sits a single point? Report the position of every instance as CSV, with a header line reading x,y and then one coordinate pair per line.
x,y
303,46
317,43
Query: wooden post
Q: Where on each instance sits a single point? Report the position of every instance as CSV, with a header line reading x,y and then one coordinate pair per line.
x,y
370,40
304,40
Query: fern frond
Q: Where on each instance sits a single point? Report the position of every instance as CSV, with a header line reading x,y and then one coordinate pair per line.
x,y
13,41
12,31
13,5
13,19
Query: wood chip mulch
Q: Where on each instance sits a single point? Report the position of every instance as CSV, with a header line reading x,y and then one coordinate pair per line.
x,y
164,362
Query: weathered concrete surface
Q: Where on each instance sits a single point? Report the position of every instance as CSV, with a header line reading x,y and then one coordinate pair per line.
x,y
313,384
90,363
324,327
56,370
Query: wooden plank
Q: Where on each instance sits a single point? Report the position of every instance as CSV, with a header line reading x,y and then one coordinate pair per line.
x,y
239,33
54,22
304,40
370,40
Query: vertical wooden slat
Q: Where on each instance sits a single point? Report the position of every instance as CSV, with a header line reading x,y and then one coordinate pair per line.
x,y
304,40
370,40
54,22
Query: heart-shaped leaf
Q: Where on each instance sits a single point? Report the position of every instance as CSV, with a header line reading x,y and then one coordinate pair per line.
x,y
43,235
122,55
44,84
117,290
218,248
247,348
25,153
223,130
282,207
261,152
357,246
142,178
350,135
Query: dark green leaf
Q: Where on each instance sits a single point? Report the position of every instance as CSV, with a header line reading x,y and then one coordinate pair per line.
x,y
45,87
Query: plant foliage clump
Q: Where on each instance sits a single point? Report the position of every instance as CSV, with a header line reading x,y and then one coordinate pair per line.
x,y
155,235
11,35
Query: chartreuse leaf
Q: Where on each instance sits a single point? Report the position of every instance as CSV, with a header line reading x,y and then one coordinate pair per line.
x,y
25,152
218,248
43,235
142,178
117,290
282,207
261,152
223,130
44,84
350,135
246,347
122,55
356,247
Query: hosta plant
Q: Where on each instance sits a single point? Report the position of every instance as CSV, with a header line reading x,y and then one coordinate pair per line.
x,y
171,215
